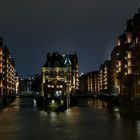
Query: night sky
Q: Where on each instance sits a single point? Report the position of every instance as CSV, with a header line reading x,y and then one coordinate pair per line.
x,y
32,28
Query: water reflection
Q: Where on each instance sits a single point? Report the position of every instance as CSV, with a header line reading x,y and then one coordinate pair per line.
x,y
91,119
116,109
92,103
34,103
99,104
138,128
117,115
43,113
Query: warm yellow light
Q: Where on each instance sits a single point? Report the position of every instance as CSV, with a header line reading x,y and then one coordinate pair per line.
x,y
0,83
119,69
49,86
129,70
118,42
129,37
0,51
62,102
129,63
129,55
119,63
53,101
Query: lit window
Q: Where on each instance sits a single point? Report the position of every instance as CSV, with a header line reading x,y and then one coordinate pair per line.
x,y
49,86
0,51
119,69
137,40
119,63
62,102
129,63
105,68
129,37
53,101
129,70
118,54
129,55
0,84
118,42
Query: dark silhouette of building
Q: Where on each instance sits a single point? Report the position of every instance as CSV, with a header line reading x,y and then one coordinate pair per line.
x,y
83,83
32,84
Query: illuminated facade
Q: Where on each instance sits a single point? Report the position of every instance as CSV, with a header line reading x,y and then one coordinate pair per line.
x,y
1,67
89,83
17,84
93,82
59,75
97,81
125,59
120,75
116,60
104,84
7,71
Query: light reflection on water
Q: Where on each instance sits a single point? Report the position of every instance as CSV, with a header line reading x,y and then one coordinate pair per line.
x,y
92,103
91,119
138,128
43,113
116,109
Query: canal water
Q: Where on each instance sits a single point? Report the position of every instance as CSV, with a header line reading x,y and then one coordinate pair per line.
x,y
90,120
